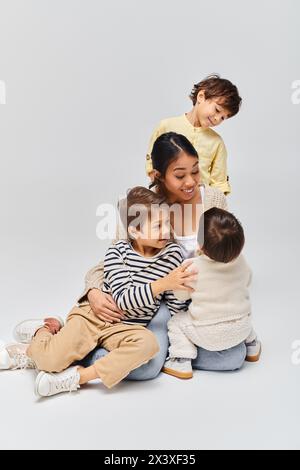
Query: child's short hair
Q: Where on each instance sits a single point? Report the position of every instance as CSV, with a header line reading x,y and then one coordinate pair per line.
x,y
216,87
223,235
143,199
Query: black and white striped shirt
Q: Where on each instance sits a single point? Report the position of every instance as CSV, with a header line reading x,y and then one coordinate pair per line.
x,y
127,277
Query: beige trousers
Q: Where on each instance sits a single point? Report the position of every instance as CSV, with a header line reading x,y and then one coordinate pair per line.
x,y
129,346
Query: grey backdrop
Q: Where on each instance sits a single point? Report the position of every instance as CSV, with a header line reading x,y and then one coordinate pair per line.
x,y
86,83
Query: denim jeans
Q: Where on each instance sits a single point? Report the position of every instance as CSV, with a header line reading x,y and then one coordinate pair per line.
x,y
228,360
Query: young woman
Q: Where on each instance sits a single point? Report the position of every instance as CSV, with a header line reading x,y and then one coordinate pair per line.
x,y
176,175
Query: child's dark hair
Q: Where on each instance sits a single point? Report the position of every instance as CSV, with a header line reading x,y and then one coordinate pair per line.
x,y
143,199
216,87
221,235
166,149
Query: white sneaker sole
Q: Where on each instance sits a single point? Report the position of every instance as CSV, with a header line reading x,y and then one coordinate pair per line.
x,y
254,357
38,380
178,374
37,383
16,336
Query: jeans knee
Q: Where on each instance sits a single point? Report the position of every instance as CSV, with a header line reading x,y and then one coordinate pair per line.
x,y
236,357
154,367
147,371
156,359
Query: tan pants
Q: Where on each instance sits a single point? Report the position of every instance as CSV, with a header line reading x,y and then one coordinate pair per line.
x,y
130,346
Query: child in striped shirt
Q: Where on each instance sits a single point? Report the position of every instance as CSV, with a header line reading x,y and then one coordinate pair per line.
x,y
139,272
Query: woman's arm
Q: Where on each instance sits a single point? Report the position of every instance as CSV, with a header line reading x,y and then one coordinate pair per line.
x,y
214,198
102,304
93,280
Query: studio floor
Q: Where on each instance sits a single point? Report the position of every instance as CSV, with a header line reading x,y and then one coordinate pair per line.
x,y
257,407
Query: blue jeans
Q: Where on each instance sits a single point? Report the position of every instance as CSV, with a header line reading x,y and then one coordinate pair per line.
x,y
228,360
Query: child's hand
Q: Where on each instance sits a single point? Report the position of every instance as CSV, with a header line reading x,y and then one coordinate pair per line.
x,y
104,306
191,268
179,278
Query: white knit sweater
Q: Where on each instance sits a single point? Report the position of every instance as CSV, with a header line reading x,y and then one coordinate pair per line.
x,y
220,310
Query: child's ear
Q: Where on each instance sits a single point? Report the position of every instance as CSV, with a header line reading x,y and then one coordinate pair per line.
x,y
201,96
156,175
133,233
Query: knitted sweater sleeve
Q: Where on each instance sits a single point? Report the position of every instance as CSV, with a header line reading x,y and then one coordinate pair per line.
x,y
214,198
93,280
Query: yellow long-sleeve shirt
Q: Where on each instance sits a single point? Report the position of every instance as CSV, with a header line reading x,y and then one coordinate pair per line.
x,y
209,145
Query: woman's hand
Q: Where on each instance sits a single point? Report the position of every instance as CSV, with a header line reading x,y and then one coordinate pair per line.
x,y
104,306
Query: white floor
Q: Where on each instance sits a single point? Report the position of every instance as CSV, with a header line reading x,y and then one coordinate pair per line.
x,y
258,407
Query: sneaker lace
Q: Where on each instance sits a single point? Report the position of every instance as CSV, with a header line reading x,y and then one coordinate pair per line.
x,y
67,384
177,359
22,361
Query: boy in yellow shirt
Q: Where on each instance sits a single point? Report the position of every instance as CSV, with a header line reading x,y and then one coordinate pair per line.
x,y
214,100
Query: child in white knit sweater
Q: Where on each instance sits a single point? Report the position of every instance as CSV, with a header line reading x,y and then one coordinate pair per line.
x,y
219,315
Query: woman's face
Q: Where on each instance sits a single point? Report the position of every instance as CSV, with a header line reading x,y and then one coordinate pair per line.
x,y
182,178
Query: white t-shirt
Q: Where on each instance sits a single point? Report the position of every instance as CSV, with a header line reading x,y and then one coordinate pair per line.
x,y
189,243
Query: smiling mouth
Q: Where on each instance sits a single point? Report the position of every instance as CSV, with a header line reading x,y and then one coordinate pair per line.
x,y
188,191
211,121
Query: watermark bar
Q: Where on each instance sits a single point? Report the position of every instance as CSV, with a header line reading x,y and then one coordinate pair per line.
x,y
134,459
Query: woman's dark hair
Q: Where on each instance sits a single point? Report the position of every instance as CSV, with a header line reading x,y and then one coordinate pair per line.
x,y
166,149
219,88
221,235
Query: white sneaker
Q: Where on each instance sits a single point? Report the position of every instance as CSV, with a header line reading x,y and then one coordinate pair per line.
x,y
25,331
181,368
253,351
47,384
13,357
